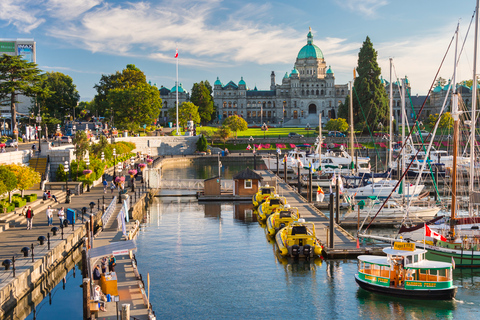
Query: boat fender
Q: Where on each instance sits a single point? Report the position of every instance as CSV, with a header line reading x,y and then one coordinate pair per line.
x,y
301,220
307,250
295,250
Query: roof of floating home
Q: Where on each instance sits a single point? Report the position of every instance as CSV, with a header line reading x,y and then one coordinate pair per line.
x,y
247,174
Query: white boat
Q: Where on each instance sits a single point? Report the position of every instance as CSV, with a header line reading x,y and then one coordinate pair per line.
x,y
382,189
393,210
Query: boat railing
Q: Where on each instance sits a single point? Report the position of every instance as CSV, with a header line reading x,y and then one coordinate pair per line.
x,y
376,272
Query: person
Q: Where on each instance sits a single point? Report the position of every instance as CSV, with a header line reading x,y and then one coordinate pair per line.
x,y
50,195
45,195
98,296
105,184
29,216
49,214
96,273
112,186
61,216
111,263
104,264
33,147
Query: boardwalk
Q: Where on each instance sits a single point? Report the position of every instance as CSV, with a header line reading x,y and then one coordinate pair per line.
x,y
345,245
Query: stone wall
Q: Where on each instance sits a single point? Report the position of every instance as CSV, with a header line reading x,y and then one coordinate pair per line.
x,y
59,156
163,145
15,157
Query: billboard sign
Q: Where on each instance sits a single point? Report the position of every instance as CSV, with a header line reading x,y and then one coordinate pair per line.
x,y
26,51
7,46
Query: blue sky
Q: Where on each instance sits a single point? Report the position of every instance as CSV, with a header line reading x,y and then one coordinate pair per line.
x,y
231,39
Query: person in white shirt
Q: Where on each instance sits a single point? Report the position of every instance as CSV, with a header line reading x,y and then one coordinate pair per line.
x,y
61,216
49,214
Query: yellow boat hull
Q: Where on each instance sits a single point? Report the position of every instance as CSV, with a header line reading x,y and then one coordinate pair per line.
x,y
297,246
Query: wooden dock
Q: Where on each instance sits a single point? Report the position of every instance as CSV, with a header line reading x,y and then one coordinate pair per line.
x,y
344,246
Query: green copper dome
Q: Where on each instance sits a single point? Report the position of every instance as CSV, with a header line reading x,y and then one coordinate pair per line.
x,y
217,82
180,89
329,70
294,71
241,82
310,50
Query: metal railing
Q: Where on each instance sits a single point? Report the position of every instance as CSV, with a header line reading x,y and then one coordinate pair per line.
x,y
109,211
193,184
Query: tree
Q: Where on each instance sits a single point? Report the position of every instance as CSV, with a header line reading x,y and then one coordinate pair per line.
x,y
187,111
26,177
129,77
202,144
236,123
339,124
446,120
343,108
63,97
135,105
9,180
97,148
81,144
202,97
223,133
60,175
370,94
18,77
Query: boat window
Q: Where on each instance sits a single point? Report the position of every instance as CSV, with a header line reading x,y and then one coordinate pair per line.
x,y
442,275
284,214
432,276
299,230
415,259
274,201
367,267
266,191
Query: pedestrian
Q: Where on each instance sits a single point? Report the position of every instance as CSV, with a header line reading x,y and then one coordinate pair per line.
x,y
96,273
49,214
112,263
104,264
29,216
61,216
105,184
112,186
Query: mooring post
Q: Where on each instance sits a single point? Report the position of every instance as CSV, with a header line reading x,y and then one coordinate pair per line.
x,y
337,201
254,161
436,181
299,183
285,170
310,187
86,298
330,243
278,165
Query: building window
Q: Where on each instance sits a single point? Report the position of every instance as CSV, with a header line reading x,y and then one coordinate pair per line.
x,y
317,92
302,113
224,104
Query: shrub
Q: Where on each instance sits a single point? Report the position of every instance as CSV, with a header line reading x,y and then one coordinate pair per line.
x,y
31,197
19,203
202,144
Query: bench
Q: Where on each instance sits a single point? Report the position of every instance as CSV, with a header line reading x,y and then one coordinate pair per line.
x,y
94,308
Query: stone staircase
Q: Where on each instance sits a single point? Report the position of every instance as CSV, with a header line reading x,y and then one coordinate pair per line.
x,y
15,218
39,164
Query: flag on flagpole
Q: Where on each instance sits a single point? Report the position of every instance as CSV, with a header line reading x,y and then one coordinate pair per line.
x,y
453,263
433,234
249,147
320,194
176,53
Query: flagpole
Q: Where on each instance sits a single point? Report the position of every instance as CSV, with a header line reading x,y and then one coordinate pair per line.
x,y
176,56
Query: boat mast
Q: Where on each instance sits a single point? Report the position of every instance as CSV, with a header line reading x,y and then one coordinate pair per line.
x,y
391,116
456,123
402,93
320,142
352,164
474,111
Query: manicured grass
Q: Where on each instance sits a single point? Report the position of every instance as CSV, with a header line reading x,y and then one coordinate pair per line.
x,y
271,132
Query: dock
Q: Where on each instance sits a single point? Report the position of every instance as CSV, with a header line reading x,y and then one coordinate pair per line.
x,y
344,246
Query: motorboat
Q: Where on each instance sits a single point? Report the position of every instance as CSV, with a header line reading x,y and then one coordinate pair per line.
x,y
280,218
404,272
263,193
383,188
266,208
391,210
298,240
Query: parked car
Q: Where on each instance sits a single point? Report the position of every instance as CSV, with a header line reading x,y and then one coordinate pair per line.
x,y
423,133
11,143
295,135
335,134
66,139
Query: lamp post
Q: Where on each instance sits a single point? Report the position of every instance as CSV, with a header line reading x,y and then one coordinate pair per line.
x,y
119,187
114,163
87,162
67,199
132,161
39,132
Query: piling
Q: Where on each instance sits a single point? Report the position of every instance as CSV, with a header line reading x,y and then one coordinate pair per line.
x,y
331,234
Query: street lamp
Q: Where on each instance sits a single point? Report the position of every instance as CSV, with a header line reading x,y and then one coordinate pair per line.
x,y
114,163
132,161
67,199
119,187
87,162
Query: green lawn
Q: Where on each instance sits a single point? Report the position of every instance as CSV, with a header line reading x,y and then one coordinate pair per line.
x,y
271,132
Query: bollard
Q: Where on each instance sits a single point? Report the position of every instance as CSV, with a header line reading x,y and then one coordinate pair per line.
x,y
337,201
73,224
41,239
126,311
48,240
25,251
7,263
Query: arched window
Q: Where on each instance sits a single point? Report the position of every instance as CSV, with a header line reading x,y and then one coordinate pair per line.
x,y
303,92
224,104
230,104
308,92
318,92
321,92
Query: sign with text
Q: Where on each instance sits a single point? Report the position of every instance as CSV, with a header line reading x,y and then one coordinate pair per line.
x,y
406,246
120,252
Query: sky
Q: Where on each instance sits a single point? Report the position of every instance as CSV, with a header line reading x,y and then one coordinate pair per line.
x,y
231,39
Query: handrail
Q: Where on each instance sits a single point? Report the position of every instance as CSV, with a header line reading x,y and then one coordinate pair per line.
x,y
108,212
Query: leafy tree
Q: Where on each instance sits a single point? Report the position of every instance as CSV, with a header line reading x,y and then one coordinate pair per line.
x,y
236,123
343,108
135,105
369,92
129,77
339,124
446,120
187,111
60,175
63,96
202,144
3,188
81,144
223,133
26,176
202,97
18,77
97,148
9,180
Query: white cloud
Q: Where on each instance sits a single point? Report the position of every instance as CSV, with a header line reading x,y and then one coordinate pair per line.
x,y
22,15
366,7
68,9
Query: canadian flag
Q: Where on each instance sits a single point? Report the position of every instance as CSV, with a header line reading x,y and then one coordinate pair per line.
x,y
176,53
433,234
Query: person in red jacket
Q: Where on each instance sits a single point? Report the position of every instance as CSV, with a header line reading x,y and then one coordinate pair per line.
x,y
29,216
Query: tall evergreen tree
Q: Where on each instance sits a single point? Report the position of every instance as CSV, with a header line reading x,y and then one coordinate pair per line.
x,y
369,93
202,97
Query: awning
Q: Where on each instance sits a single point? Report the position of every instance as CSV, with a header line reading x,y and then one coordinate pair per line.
x,y
115,248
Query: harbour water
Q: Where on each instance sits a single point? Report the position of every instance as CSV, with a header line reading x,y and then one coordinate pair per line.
x,y
210,262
